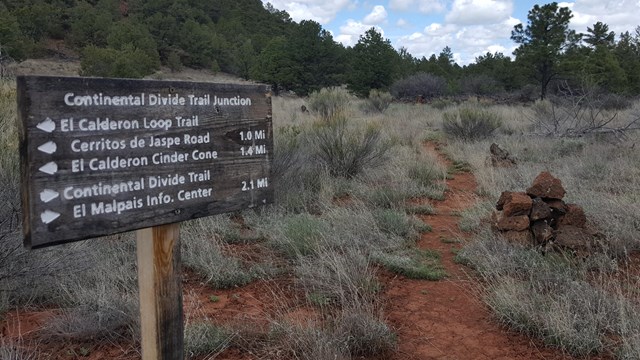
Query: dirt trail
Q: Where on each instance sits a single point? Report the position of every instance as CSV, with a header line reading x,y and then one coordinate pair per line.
x,y
447,319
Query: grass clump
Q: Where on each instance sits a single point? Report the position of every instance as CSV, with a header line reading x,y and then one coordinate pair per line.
x,y
377,102
364,333
307,341
473,217
205,339
470,123
347,150
338,278
329,103
414,264
202,251
420,209
386,197
393,222
10,350
425,173
301,234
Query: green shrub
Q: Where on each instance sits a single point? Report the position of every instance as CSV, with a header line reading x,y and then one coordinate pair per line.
x,y
419,85
470,123
346,151
377,102
329,103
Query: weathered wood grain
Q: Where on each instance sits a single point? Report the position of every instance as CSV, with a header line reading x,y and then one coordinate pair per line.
x,y
159,282
239,135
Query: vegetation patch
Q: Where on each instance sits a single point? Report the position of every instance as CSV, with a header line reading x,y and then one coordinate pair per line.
x,y
414,264
470,123
204,338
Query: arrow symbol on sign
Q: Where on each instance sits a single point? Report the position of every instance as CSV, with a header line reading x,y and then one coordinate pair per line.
x,y
49,147
48,216
49,168
47,195
47,125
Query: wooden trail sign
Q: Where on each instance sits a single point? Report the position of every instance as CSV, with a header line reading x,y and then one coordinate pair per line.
x,y
102,156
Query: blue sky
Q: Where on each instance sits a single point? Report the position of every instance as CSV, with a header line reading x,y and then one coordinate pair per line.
x,y
469,27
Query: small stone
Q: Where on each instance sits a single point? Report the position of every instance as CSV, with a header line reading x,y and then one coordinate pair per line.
x,y
575,216
547,187
542,232
518,204
519,237
539,210
517,223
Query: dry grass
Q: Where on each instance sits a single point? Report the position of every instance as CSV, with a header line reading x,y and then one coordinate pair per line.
x,y
329,232
555,297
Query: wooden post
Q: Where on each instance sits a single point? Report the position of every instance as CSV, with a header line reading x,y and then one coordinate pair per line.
x,y
160,286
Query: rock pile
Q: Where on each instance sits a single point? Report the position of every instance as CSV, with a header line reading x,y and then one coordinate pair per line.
x,y
540,217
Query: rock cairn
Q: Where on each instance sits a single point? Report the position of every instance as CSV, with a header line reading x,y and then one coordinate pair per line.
x,y
540,217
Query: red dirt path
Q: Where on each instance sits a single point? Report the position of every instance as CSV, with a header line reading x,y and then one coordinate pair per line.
x,y
433,319
447,319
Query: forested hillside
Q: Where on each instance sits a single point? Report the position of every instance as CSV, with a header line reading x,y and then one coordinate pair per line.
x,y
133,38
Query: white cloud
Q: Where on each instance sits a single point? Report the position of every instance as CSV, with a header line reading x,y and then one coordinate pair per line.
x,y
467,42
402,23
429,7
377,16
479,12
350,32
424,6
322,11
401,5
620,15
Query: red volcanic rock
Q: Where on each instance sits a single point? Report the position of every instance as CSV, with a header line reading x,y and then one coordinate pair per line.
x,y
575,216
518,204
516,223
539,210
574,238
557,206
542,232
506,195
546,186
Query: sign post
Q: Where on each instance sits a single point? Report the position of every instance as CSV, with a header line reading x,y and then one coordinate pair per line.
x,y
103,156
160,292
